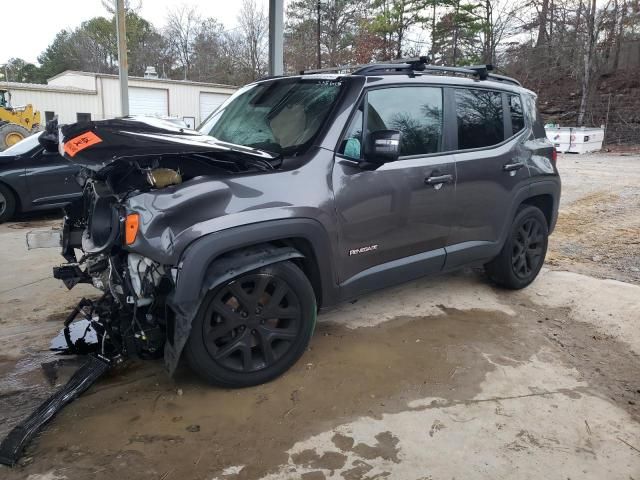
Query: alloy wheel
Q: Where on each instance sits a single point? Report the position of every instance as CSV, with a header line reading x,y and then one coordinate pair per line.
x,y
252,322
527,248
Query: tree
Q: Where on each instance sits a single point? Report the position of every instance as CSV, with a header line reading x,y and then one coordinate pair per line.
x,y
17,70
61,55
181,31
588,60
393,21
252,35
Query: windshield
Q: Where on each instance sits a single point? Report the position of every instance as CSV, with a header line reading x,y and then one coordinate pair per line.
x,y
281,116
23,146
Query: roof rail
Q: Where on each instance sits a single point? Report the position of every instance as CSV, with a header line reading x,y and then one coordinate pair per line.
x,y
412,66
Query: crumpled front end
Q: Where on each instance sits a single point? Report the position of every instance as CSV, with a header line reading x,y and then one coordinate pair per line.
x,y
144,183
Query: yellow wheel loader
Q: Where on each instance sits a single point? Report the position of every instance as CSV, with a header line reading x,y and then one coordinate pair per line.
x,y
16,123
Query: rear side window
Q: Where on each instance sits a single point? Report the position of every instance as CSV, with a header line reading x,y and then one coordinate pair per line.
x,y
480,118
517,114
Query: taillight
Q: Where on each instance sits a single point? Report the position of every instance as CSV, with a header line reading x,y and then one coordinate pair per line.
x,y
131,224
554,155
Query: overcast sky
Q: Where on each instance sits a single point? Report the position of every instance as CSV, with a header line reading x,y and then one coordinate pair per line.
x,y
29,26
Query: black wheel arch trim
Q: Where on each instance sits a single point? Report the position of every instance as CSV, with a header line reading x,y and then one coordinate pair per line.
x,y
217,257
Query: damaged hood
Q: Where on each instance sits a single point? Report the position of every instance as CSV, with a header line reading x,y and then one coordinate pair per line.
x,y
96,145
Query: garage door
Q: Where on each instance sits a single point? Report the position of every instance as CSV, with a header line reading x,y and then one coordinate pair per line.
x,y
148,101
209,102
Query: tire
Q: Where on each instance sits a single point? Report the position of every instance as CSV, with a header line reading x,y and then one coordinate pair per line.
x,y
10,134
523,253
7,203
239,338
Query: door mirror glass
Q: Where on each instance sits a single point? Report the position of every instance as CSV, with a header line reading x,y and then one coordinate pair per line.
x,y
382,146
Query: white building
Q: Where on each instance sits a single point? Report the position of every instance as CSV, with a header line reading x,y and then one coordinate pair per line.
x,y
75,96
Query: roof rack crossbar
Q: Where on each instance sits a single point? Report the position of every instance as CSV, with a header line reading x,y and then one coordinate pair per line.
x,y
412,66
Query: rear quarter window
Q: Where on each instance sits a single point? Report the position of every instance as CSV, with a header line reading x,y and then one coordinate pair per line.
x,y
480,118
533,115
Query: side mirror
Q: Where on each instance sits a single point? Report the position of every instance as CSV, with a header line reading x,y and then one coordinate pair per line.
x,y
49,138
382,146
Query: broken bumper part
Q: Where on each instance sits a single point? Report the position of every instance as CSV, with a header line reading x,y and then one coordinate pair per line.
x,y
12,447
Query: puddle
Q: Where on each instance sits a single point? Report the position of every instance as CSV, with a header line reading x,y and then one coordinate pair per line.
x,y
347,373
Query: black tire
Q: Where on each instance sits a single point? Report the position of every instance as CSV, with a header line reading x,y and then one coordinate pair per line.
x,y
7,204
239,338
10,134
523,253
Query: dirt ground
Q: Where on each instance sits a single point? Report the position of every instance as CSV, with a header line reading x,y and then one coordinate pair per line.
x,y
441,378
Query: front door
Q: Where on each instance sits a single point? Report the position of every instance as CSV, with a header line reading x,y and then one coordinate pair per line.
x,y
398,216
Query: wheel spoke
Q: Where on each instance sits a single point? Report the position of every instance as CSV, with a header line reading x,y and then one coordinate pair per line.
x,y
227,313
265,345
246,301
277,333
230,347
278,294
535,251
281,313
218,331
247,358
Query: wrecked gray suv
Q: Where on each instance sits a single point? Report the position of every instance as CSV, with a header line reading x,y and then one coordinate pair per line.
x,y
222,244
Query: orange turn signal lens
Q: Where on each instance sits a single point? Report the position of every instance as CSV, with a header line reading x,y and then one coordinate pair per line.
x,y
131,224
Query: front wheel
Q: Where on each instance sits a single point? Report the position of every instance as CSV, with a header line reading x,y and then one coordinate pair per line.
x,y
253,328
523,253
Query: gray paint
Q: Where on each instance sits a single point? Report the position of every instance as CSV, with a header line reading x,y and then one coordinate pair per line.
x,y
334,206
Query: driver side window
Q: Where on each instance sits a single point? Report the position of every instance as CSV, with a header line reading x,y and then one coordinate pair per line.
x,y
414,111
351,146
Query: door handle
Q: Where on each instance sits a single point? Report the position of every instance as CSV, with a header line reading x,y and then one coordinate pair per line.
x,y
438,179
512,167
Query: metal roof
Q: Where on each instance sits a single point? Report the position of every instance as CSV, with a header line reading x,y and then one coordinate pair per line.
x,y
144,79
44,87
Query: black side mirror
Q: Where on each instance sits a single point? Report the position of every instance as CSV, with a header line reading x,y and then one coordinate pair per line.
x,y
49,138
382,146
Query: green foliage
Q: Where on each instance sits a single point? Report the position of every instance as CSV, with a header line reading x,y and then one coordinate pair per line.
x,y
18,70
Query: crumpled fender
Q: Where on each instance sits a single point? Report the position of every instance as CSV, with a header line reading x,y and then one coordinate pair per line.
x,y
220,271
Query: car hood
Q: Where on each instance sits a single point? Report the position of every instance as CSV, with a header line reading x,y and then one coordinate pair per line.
x,y
99,144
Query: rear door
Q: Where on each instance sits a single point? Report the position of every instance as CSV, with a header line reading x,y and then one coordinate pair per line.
x,y
50,178
491,164
392,213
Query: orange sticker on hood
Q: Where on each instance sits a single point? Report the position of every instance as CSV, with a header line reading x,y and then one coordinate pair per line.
x,y
79,143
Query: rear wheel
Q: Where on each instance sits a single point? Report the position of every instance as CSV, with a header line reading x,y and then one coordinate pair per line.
x,y
253,328
10,134
523,253
7,204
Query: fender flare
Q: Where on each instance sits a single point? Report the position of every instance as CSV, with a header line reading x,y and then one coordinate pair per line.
x,y
218,257
534,189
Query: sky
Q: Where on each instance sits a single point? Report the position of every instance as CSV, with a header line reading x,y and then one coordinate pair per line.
x,y
33,24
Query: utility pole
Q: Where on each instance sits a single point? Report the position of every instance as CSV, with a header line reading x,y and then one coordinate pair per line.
x,y
276,37
123,65
318,40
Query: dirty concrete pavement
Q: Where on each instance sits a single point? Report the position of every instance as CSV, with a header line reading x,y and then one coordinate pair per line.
x,y
446,377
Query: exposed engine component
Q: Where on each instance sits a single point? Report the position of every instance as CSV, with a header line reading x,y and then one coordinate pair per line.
x,y
145,276
163,177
